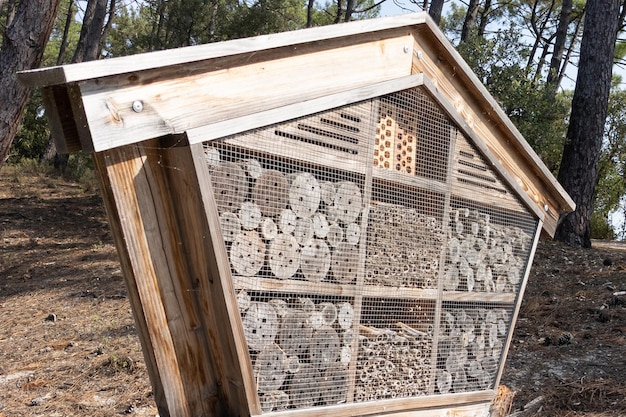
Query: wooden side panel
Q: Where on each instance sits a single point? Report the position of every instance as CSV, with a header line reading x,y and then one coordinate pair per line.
x,y
106,189
61,118
452,77
248,85
143,220
209,269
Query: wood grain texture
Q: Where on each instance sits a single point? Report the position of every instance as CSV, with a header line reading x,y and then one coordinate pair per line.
x,y
195,54
300,109
474,403
150,357
209,266
131,209
175,105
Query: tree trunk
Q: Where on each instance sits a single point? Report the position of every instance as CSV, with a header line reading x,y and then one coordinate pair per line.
x,y
559,48
23,45
309,13
579,167
436,7
66,31
339,11
9,14
470,19
88,47
349,9
108,25
484,18
570,51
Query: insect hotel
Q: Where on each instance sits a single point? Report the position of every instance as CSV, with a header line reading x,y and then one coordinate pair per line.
x,y
332,221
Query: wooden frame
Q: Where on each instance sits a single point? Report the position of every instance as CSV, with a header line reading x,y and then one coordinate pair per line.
x,y
146,118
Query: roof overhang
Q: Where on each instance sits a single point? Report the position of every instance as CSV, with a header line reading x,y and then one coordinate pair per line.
x,y
232,86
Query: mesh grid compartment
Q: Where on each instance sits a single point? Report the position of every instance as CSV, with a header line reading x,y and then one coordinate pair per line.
x,y
395,349
293,221
412,135
346,231
487,249
288,217
471,342
300,346
404,237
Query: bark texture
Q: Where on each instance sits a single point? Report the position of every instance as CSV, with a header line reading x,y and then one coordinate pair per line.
x,y
554,72
435,9
579,167
88,48
22,49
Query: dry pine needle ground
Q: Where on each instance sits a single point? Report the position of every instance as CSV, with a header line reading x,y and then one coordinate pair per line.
x,y
69,347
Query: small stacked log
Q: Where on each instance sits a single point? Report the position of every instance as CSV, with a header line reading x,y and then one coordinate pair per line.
x,y
393,362
483,256
301,350
287,226
404,247
470,347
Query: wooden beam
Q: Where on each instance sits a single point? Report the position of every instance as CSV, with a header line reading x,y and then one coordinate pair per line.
x,y
209,270
143,218
120,112
196,54
63,128
302,108
438,405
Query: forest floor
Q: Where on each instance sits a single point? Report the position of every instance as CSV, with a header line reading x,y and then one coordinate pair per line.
x,y
69,347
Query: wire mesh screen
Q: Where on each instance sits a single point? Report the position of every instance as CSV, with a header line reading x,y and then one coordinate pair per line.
x,y
359,253
470,345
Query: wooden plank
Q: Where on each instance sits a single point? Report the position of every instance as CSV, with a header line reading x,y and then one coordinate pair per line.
x,y
215,284
148,243
299,109
149,353
474,410
171,106
479,297
287,286
387,175
185,56
439,403
452,77
81,126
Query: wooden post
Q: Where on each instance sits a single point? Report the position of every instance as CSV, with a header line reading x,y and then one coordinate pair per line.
x,y
159,219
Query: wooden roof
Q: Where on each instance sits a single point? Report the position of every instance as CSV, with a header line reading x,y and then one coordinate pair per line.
x,y
231,86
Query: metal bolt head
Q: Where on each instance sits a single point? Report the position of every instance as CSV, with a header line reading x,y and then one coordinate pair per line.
x,y
419,54
546,208
137,106
406,49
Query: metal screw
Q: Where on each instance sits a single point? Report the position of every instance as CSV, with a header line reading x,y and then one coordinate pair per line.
x,y
137,106
406,49
546,208
419,54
